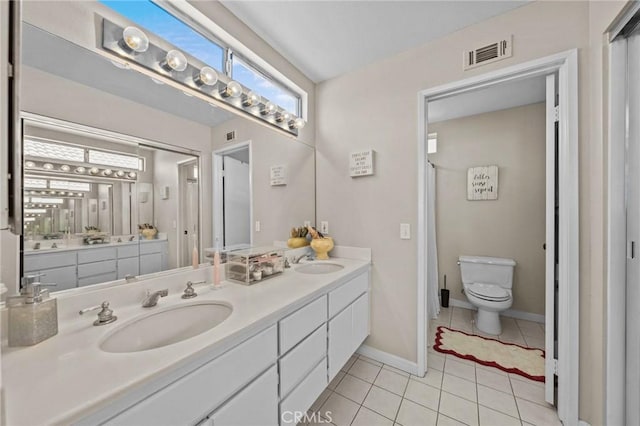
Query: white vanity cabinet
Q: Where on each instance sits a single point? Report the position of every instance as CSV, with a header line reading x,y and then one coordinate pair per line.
x,y
153,256
58,268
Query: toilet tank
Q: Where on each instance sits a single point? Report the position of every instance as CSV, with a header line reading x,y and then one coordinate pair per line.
x,y
488,270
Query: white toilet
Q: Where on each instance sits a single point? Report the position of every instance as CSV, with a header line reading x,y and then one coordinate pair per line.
x,y
487,282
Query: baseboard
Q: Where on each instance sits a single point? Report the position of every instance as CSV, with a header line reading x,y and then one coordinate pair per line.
x,y
511,313
583,423
389,359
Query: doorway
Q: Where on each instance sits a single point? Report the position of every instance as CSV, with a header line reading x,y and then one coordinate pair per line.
x,y
189,223
232,197
563,65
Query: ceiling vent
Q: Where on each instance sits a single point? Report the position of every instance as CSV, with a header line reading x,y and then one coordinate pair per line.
x,y
489,53
231,136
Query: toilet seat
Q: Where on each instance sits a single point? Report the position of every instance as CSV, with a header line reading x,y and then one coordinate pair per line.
x,y
489,292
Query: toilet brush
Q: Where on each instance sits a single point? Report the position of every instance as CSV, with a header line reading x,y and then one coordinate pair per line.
x,y
444,294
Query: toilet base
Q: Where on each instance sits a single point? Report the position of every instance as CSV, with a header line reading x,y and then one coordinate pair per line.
x,y
488,322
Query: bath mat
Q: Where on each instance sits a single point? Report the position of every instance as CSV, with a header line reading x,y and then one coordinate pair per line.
x,y
509,357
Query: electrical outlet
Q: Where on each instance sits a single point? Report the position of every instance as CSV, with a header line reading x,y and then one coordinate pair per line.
x,y
324,227
307,223
257,226
405,231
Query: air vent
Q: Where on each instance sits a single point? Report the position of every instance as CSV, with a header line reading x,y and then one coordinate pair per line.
x,y
231,136
489,53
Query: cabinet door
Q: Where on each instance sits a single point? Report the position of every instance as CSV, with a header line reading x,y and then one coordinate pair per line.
x,y
64,278
360,321
340,346
150,263
256,404
127,267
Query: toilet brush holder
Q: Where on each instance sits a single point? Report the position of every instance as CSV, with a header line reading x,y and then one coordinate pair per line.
x,y
444,295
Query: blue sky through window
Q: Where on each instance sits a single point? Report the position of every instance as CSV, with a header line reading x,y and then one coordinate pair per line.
x,y
261,85
158,21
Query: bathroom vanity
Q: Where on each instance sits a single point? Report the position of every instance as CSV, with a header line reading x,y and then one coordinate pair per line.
x,y
277,350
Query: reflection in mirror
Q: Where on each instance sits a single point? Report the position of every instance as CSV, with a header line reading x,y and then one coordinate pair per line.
x,y
73,95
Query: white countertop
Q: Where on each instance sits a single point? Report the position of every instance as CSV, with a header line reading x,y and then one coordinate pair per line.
x,y
68,377
29,251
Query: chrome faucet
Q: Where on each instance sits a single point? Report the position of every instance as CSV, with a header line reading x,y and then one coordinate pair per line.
x,y
152,298
297,260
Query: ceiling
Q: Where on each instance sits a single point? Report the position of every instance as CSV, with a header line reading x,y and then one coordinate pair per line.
x,y
324,39
53,54
494,98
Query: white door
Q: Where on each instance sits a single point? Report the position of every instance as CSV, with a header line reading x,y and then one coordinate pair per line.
x,y
237,203
633,234
551,258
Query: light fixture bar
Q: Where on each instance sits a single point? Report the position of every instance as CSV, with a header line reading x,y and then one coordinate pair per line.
x,y
155,59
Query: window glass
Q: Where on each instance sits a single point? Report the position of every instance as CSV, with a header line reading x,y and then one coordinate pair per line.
x,y
249,77
163,24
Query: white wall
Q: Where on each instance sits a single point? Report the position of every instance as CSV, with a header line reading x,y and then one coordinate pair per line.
x,y
513,226
237,202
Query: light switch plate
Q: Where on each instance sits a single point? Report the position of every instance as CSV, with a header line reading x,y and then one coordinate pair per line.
x,y
257,226
324,227
405,231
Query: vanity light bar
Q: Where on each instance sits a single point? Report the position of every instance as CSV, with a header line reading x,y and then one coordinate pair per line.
x,y
35,211
158,61
41,200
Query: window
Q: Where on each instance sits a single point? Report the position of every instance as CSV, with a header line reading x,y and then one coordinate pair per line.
x,y
163,24
249,76
432,143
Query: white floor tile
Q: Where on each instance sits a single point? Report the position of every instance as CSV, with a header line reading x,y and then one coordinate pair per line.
x,y
460,387
459,409
493,380
339,410
528,391
383,402
535,341
366,417
448,421
423,394
436,361
533,413
500,401
530,328
365,371
460,369
395,370
353,388
526,380
412,414
491,369
391,381
432,378
336,380
489,417
370,361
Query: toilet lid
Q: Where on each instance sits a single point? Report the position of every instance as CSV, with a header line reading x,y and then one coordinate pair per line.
x,y
489,292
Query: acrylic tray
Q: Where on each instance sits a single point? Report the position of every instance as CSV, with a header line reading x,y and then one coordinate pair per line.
x,y
254,265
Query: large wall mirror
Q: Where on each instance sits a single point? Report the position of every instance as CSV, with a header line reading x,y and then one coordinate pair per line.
x,y
119,168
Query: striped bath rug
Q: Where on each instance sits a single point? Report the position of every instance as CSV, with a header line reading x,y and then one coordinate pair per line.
x,y
509,357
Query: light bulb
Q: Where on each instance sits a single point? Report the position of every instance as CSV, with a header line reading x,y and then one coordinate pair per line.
x,y
251,99
80,169
132,175
233,89
283,116
269,108
298,123
30,164
134,40
175,61
94,170
206,77
119,173
107,172
65,168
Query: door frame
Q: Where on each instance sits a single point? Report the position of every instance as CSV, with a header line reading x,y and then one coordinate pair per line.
x,y
566,65
218,211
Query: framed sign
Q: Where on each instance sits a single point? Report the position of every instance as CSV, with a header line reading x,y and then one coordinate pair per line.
x,y
482,183
361,163
278,175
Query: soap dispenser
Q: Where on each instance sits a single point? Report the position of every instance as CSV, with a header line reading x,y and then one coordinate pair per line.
x,y
33,315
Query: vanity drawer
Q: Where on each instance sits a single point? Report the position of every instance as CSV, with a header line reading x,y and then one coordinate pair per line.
x,y
97,279
96,254
341,297
300,360
64,278
303,396
128,251
301,323
96,268
197,394
35,262
152,247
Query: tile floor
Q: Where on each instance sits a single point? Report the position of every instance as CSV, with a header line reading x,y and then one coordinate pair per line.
x,y
453,392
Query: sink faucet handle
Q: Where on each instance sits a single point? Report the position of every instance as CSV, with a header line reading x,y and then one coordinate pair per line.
x,y
105,316
189,292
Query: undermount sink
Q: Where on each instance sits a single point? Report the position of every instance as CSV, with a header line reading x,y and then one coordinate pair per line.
x,y
319,268
166,327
